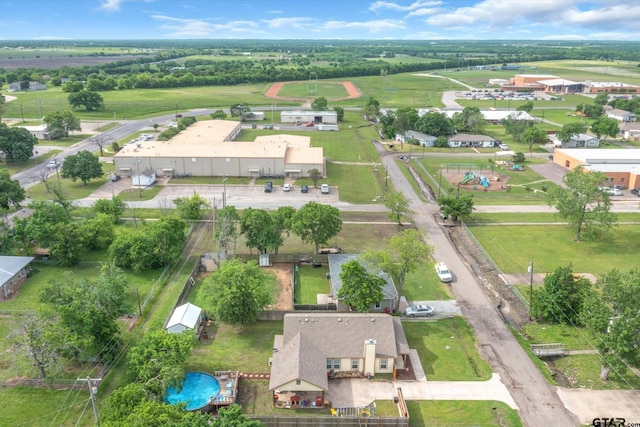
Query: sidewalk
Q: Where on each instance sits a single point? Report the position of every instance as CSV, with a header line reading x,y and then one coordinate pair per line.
x,y
358,392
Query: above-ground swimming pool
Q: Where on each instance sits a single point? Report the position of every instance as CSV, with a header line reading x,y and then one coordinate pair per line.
x,y
198,389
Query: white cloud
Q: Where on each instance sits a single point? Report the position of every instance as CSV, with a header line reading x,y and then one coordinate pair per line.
x,y
372,26
425,11
114,5
180,27
50,38
293,22
619,15
274,12
563,37
395,6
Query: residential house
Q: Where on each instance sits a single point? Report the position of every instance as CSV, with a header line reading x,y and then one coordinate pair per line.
x,y
16,86
581,140
423,139
471,140
622,115
316,347
389,291
630,130
185,317
13,273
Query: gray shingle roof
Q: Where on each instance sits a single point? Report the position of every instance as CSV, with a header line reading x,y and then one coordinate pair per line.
x,y
297,359
11,265
389,290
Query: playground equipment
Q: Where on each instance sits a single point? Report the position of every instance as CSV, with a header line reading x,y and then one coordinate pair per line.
x,y
485,182
468,177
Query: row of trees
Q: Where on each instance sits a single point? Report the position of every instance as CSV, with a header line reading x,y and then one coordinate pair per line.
x,y
470,120
608,310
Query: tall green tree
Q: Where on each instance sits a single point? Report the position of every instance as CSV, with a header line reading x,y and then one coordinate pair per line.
x,y
406,118
260,230
360,289
88,310
83,166
527,106
34,339
561,297
218,115
405,253
586,208
239,110
469,120
319,104
237,292
516,128
316,223
605,126
339,113
91,101
315,176
157,362
227,229
570,130
191,207
113,207
152,413
455,207
232,416
601,99
610,312
39,226
435,124
371,107
16,143
398,205
533,135
61,123
11,192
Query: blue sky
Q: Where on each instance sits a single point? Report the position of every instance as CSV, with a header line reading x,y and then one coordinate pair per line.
x,y
320,19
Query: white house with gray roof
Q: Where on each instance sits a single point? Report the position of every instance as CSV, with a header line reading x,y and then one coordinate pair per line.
x,y
13,273
470,140
316,346
389,291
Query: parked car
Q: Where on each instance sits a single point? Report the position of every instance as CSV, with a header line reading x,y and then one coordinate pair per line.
x,y
324,188
53,164
286,187
331,250
304,188
615,192
254,126
310,124
268,187
443,272
419,310
635,191
265,126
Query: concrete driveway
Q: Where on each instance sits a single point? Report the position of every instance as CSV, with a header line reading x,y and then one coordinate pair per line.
x,y
441,309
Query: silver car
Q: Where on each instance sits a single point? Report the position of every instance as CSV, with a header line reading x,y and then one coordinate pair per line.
x,y
419,310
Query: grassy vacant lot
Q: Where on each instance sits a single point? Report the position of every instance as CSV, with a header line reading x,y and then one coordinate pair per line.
x,y
512,248
313,89
447,350
423,285
441,413
72,190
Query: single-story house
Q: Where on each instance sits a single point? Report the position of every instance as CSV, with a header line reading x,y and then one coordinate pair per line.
x,y
316,347
208,148
40,132
630,130
621,167
622,115
185,317
144,179
16,86
13,273
317,117
581,140
423,139
470,140
389,291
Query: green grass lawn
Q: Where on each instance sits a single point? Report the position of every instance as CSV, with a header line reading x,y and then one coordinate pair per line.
x,y
459,363
313,89
438,413
312,281
583,371
135,194
551,247
423,285
72,190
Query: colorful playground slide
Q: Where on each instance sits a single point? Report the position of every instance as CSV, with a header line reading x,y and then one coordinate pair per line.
x,y
468,177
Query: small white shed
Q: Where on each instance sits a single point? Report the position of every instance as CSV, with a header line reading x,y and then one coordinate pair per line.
x,y
186,316
145,179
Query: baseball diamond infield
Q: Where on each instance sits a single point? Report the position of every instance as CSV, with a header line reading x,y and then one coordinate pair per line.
x,y
273,90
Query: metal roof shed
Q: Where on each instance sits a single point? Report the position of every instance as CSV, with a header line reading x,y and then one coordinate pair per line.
x,y
186,316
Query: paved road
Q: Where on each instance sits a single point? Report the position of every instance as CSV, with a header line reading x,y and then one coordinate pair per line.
x,y
538,401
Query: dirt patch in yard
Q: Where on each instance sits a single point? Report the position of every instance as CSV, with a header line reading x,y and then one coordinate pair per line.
x,y
284,299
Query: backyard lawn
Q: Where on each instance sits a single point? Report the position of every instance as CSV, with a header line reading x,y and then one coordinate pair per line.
x,y
441,413
311,281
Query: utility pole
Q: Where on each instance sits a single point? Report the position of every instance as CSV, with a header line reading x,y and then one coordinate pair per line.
x,y
93,390
530,289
